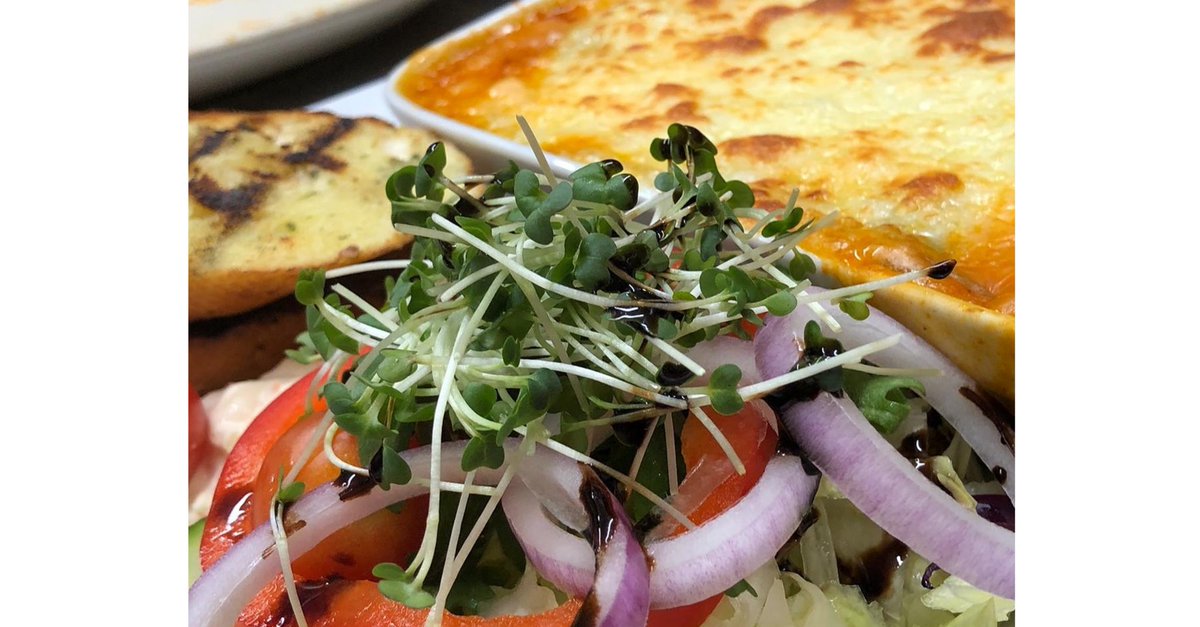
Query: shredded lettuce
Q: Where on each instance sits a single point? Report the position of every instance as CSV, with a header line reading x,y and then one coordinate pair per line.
x,y
982,615
747,608
957,596
943,469
529,596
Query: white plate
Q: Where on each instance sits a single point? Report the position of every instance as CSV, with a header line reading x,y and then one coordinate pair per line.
x,y
488,152
231,42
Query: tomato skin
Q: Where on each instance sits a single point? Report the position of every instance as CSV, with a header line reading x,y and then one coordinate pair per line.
x,y
355,601
228,519
754,439
198,444
692,615
350,552
275,438
346,603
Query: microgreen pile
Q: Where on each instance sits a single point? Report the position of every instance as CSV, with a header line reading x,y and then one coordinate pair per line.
x,y
561,311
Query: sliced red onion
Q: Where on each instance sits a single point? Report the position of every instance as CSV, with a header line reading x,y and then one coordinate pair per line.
x,y
724,550
777,349
611,571
888,489
222,591
687,568
562,557
726,349
620,594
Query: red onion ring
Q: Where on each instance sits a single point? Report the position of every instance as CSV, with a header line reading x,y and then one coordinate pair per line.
x,y
777,348
562,557
687,568
888,489
222,591
725,349
620,593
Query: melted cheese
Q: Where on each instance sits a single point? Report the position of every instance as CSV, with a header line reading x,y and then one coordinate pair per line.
x,y
896,115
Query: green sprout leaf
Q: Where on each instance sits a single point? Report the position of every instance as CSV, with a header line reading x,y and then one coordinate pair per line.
x,y
395,469
407,592
475,227
722,389
510,352
710,239
310,287
855,306
882,400
591,267
784,225
801,267
541,388
706,200
482,452
480,397
361,426
538,206
388,570
781,304
291,492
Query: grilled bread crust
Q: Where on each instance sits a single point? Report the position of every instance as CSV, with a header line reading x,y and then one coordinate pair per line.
x,y
273,193
244,346
897,115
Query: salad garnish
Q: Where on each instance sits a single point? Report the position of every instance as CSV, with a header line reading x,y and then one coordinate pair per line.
x,y
562,315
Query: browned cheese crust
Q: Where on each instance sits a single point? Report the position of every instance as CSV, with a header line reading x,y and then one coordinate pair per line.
x,y
897,115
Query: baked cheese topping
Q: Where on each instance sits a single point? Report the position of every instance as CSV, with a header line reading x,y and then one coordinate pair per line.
x,y
898,115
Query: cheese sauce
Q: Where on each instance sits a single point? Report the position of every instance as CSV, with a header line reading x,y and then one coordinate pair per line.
x,y
898,116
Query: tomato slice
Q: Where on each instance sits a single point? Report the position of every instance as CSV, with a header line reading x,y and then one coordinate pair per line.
x,y
346,603
692,615
198,445
275,439
228,518
334,579
712,486
351,552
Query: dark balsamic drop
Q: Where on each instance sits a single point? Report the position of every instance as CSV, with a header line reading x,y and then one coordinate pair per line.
x,y
631,433
672,374
1004,421
810,518
601,519
942,270
929,570
611,167
997,508
375,468
674,393
872,571
315,599
353,485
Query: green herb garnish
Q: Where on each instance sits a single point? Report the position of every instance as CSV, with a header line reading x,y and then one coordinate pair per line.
x,y
545,307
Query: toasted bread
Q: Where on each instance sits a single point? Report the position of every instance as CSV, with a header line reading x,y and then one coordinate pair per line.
x,y
898,116
240,347
273,193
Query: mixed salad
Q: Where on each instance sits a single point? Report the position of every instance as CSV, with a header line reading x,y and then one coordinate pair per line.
x,y
585,404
